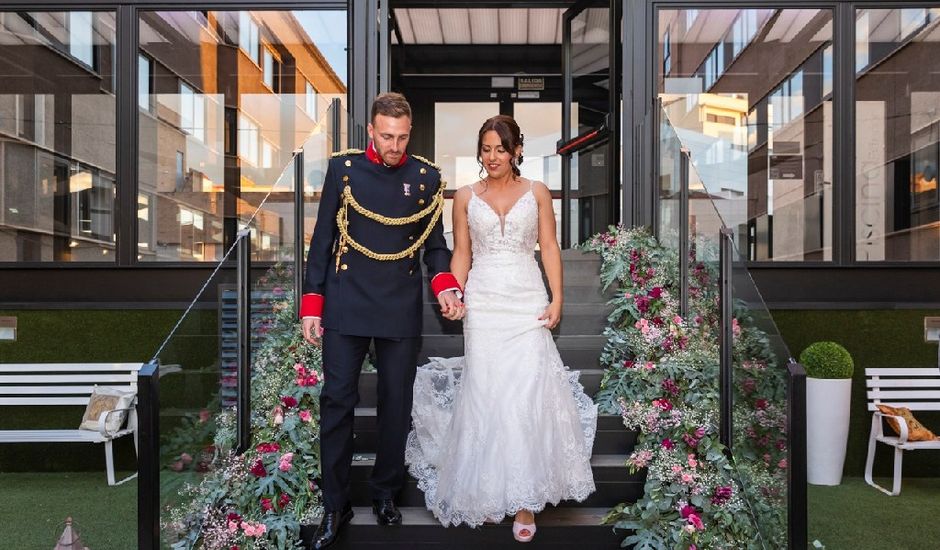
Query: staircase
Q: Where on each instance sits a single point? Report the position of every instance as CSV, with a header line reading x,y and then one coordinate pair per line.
x,y
570,524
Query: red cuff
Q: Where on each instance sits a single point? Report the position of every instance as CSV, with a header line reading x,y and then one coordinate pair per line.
x,y
311,305
444,281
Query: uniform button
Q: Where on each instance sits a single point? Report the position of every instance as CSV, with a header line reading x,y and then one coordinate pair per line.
x,y
348,163
345,178
420,201
411,271
344,267
411,237
345,249
421,187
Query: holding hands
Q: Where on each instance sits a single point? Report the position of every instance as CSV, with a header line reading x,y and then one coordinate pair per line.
x,y
451,306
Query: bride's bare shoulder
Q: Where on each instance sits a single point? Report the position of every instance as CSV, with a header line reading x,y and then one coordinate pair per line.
x,y
462,194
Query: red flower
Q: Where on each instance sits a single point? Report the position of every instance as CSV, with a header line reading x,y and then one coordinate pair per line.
x,y
289,402
232,516
265,448
663,404
628,364
266,504
284,500
667,444
656,293
760,404
258,469
687,511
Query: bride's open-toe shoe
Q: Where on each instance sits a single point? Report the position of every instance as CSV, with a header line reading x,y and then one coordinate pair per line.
x,y
523,532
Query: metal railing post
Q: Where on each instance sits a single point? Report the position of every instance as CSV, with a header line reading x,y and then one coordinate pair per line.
x,y
298,229
684,161
797,520
243,410
148,457
725,338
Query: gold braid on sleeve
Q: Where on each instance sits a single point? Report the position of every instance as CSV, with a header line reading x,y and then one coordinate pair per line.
x,y
434,210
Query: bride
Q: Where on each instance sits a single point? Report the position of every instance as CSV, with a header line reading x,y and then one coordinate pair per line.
x,y
507,428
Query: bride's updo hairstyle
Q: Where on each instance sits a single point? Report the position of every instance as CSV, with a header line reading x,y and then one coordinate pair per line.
x,y
509,135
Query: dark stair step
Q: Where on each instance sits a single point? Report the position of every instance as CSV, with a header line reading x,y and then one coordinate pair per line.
x,y
557,528
611,437
613,481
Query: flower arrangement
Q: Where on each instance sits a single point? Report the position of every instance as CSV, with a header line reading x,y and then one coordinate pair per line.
x,y
661,376
259,499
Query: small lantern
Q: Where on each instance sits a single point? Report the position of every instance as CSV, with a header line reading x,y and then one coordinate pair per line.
x,y
70,539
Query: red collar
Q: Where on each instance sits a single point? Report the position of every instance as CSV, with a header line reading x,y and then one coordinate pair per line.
x,y
373,156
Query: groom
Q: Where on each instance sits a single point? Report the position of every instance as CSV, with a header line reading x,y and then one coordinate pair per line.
x,y
363,284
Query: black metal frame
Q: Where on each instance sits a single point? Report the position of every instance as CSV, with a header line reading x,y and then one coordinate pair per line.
x,y
725,338
299,243
797,516
684,162
148,457
610,130
243,409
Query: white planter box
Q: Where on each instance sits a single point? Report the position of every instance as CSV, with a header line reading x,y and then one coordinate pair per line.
x,y
827,428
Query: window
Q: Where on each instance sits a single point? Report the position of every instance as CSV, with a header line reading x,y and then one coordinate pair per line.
x,y
180,172
192,112
248,38
690,17
743,31
81,33
268,154
667,54
310,100
247,139
271,69
720,119
144,82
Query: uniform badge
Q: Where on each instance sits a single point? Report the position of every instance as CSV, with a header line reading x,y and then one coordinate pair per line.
x,y
407,189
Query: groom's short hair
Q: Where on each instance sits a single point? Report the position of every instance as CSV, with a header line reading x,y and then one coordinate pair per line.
x,y
391,104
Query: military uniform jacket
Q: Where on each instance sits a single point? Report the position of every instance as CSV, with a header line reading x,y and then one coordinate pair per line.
x,y
359,295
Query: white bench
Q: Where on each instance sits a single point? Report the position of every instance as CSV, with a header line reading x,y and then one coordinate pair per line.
x,y
916,389
37,384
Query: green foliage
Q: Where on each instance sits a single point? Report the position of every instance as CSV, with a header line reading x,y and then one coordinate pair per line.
x,y
257,499
661,375
827,360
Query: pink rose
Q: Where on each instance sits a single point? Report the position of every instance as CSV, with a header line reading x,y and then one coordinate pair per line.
x,y
696,522
285,462
305,416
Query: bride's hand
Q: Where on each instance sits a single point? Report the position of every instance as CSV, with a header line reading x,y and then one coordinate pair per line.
x,y
551,315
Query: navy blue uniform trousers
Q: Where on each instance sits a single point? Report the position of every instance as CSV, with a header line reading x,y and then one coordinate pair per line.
x,y
396,363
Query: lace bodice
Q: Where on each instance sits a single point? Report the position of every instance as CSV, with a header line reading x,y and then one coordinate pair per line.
x,y
514,234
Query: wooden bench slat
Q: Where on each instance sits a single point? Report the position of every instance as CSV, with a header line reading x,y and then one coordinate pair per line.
x,y
903,371
59,390
69,367
903,394
66,378
903,382
44,400
912,405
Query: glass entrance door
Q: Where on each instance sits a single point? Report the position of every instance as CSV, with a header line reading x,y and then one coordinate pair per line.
x,y
590,146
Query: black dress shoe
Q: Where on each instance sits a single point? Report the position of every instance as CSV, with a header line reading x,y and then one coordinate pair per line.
x,y
330,527
386,513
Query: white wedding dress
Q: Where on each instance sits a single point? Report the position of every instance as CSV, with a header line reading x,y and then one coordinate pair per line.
x,y
506,427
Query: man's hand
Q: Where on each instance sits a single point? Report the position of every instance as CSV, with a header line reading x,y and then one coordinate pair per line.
x,y
451,306
312,330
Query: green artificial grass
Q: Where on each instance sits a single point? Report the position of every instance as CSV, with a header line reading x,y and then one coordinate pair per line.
x,y
854,516
34,507
882,338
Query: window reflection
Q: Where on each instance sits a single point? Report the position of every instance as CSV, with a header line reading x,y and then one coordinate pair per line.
x,y
750,96
897,208
234,93
57,122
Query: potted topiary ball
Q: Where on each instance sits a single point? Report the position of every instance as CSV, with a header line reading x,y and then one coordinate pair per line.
x,y
829,370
